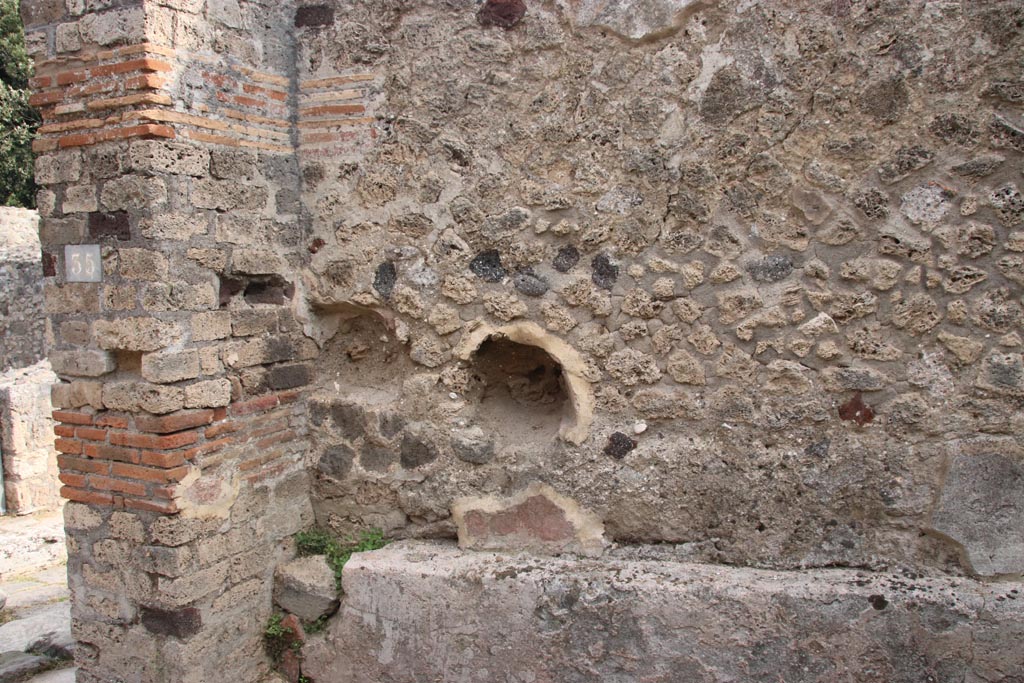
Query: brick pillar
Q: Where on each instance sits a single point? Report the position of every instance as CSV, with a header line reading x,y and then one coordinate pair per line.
x,y
180,426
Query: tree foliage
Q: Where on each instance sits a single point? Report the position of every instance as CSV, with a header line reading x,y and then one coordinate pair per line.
x,y
18,121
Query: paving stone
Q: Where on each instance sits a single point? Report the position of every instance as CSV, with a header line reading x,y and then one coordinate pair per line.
x,y
14,665
56,676
17,635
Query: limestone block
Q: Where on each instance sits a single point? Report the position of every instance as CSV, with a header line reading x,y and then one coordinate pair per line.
x,y
83,362
173,226
537,519
61,167
306,588
212,393
135,334
257,262
142,264
170,366
79,199
168,157
532,619
634,20
211,325
125,26
982,508
133,192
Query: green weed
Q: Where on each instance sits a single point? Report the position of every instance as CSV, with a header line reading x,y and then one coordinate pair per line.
x,y
335,551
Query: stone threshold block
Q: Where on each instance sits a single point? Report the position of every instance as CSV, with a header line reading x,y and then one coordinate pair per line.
x,y
426,611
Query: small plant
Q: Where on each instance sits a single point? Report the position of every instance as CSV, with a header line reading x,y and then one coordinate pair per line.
x,y
277,638
316,626
313,542
337,553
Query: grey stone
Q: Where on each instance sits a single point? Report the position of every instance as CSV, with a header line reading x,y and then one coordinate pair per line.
x,y
487,266
529,284
56,676
15,665
634,20
771,268
306,588
566,258
54,644
530,618
982,508
3,599
603,271
979,167
473,445
20,633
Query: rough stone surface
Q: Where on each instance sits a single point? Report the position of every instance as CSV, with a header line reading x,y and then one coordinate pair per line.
x,y
641,619
982,508
26,440
22,329
305,587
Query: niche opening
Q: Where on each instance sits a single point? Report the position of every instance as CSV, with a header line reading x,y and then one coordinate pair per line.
x,y
530,385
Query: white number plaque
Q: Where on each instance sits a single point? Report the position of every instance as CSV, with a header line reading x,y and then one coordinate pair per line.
x,y
82,263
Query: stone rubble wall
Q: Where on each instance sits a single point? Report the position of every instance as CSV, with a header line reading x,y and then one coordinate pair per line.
x,y
784,240
22,325
26,428
26,440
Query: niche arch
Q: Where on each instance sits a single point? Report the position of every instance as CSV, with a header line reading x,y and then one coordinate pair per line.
x,y
578,409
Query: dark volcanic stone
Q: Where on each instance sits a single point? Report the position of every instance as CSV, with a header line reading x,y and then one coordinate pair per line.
x,y
349,419
529,284
619,445
289,376
503,13
487,266
885,100
389,424
416,451
384,279
771,268
905,161
315,15
955,128
49,264
1010,91
727,96
566,258
473,446
604,271
336,462
979,167
819,449
377,458
180,623
115,224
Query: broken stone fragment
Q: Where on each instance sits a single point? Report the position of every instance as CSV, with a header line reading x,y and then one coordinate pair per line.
x,y
305,587
537,519
473,445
